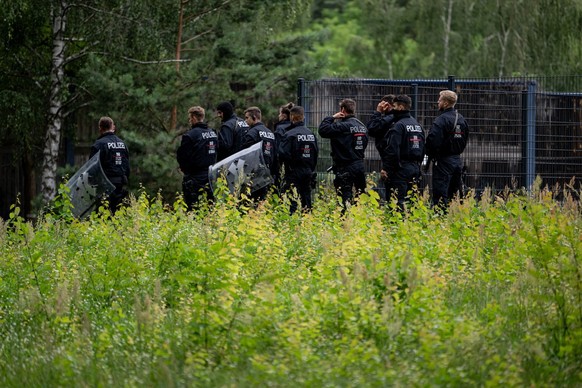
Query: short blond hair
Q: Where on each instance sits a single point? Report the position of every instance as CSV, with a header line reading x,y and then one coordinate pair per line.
x,y
449,96
254,112
198,112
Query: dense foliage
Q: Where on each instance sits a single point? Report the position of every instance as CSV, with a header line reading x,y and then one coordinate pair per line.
x,y
436,38
486,295
145,63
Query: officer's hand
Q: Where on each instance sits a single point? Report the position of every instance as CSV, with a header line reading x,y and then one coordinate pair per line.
x,y
339,115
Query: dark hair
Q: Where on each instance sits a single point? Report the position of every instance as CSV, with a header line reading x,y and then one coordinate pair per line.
x,y
349,105
226,108
298,112
105,123
404,100
389,98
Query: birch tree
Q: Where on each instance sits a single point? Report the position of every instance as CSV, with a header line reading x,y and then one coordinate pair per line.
x,y
142,62
73,30
58,13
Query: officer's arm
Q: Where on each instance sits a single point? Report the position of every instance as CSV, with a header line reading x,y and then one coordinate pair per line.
x,y
225,138
184,152
392,154
375,125
249,139
94,150
284,148
328,128
435,138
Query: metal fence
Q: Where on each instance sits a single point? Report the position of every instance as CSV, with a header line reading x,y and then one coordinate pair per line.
x,y
520,127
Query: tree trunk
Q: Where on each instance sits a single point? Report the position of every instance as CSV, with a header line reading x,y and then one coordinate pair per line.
x,y
447,22
174,116
29,184
53,133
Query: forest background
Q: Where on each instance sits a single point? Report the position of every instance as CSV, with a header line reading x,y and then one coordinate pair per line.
x,y
65,63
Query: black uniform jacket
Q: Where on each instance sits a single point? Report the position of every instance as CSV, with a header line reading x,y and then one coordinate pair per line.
x,y
444,137
114,157
230,136
259,132
198,150
348,137
404,143
298,150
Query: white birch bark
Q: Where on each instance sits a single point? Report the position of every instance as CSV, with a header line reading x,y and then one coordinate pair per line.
x,y
53,132
447,20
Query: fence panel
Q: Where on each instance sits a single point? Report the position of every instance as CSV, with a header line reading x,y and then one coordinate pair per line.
x,y
520,127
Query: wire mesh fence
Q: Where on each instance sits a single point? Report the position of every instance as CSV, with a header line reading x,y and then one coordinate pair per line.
x,y
520,127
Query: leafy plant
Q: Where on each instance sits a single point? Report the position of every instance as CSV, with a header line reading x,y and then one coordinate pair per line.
x,y
487,294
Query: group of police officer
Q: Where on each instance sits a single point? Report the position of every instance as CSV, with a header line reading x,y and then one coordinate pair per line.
x,y
291,147
290,150
402,145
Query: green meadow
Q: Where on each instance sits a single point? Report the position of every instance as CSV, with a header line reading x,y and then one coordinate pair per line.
x,y
489,294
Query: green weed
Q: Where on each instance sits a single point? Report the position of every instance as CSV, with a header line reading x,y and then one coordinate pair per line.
x,y
488,294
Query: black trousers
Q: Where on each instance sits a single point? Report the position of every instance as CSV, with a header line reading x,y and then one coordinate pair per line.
x,y
446,179
301,182
194,186
349,178
400,182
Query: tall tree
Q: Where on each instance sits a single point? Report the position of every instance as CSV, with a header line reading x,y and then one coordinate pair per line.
x,y
48,42
23,96
141,64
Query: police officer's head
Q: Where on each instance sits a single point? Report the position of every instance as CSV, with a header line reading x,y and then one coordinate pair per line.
x,y
106,124
348,105
224,110
285,111
402,102
196,115
386,104
447,99
297,114
253,115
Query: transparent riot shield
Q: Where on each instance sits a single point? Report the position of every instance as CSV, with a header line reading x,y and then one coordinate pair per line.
x,y
245,168
88,185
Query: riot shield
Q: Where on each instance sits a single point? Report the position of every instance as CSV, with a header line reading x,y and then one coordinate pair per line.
x,y
88,185
245,168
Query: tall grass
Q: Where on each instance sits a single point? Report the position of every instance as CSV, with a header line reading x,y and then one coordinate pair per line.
x,y
488,294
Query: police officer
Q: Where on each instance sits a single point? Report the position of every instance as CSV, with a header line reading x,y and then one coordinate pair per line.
x,y
114,159
446,140
378,127
197,151
349,139
279,129
298,152
231,130
404,151
258,131
283,122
